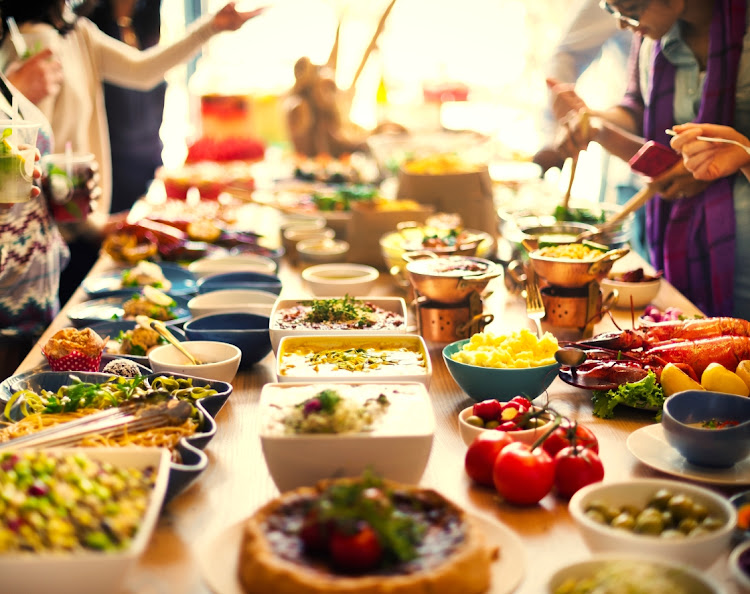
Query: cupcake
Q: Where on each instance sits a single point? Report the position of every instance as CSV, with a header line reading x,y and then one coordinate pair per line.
x,y
70,349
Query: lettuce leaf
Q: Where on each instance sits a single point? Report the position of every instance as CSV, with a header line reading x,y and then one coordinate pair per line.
x,y
646,393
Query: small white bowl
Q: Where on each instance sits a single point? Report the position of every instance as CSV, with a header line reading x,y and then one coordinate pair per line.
x,y
232,263
291,367
469,432
696,551
740,576
220,360
296,233
232,300
642,293
338,280
689,580
322,250
397,448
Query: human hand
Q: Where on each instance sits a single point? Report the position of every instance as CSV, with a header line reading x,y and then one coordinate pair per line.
x,y
547,157
710,160
564,98
575,133
37,77
678,183
230,19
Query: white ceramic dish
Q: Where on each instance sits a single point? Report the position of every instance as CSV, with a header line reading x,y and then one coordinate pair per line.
x,y
697,551
91,572
410,349
232,300
219,557
322,251
232,263
291,236
397,448
220,360
642,293
739,576
395,305
691,581
337,280
470,432
649,445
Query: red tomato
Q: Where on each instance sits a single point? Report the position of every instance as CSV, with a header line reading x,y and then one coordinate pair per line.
x,y
523,476
357,552
575,468
480,457
487,410
563,435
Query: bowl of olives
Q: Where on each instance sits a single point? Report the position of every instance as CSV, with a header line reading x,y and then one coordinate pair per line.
x,y
658,518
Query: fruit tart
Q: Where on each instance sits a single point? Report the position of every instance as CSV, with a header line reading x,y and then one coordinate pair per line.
x,y
363,535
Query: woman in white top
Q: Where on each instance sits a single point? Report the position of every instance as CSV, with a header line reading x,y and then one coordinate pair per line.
x,y
89,57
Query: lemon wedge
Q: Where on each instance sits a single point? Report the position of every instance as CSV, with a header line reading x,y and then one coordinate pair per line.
x,y
743,370
156,297
718,378
674,380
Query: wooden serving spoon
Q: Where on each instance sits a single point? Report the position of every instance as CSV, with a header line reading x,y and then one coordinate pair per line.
x,y
161,330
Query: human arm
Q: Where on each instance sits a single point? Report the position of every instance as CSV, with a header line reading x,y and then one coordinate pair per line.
x,y
37,77
129,67
711,160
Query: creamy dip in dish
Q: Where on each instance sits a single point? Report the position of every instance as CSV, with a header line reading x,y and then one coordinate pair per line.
x,y
408,411
374,360
337,314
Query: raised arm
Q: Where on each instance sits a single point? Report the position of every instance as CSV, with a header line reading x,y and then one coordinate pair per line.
x,y
126,66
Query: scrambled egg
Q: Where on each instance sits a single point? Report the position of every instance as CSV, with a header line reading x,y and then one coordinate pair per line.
x,y
516,350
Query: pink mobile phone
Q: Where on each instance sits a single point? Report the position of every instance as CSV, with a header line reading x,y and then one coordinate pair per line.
x,y
653,159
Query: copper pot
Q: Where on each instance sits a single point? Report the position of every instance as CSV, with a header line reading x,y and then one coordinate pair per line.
x,y
449,279
575,273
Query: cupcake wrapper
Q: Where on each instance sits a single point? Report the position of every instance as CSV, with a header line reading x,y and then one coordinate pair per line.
x,y
74,361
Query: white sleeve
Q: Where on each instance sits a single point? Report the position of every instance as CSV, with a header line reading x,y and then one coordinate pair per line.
x,y
129,67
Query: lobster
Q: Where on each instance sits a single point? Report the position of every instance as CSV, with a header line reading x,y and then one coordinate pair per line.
x,y
616,358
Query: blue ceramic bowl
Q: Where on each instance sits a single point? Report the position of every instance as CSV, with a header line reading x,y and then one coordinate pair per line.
x,y
719,448
486,383
247,331
240,280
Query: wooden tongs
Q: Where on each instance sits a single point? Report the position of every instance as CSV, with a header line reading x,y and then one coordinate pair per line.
x,y
639,199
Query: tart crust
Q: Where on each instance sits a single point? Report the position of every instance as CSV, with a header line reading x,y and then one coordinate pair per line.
x,y
466,569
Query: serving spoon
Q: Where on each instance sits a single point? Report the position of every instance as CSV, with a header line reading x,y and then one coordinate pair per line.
x,y
161,330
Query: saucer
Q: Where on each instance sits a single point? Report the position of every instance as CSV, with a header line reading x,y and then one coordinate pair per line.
x,y
650,446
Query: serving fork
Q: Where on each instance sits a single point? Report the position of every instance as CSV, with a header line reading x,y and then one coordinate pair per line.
x,y
534,304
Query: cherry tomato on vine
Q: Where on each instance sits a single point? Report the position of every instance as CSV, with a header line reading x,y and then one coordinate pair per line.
x,y
576,467
480,457
523,476
357,552
562,437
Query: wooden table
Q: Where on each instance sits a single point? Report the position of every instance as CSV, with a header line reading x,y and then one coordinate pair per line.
x,y
236,481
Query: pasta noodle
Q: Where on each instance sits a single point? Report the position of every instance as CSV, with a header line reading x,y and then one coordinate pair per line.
x,y
166,437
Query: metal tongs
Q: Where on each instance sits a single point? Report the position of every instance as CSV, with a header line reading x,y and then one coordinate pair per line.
x,y
131,417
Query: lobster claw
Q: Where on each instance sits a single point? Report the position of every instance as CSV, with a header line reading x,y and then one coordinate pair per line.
x,y
602,375
626,340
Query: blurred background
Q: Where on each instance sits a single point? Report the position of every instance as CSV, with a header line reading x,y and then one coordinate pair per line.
x,y
492,53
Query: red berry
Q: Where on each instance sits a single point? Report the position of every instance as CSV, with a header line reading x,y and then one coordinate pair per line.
x,y
313,535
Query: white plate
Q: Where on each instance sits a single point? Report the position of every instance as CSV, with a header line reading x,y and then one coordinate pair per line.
x,y
649,445
219,559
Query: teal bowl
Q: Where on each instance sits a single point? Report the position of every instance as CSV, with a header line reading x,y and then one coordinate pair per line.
x,y
493,383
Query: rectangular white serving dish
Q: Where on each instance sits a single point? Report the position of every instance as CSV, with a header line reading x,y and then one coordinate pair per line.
x,y
387,373
393,304
397,448
90,572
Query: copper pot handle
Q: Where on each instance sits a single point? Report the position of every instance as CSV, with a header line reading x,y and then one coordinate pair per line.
x,y
607,259
418,254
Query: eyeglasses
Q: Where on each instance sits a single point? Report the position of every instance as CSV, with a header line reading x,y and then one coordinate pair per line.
x,y
633,22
